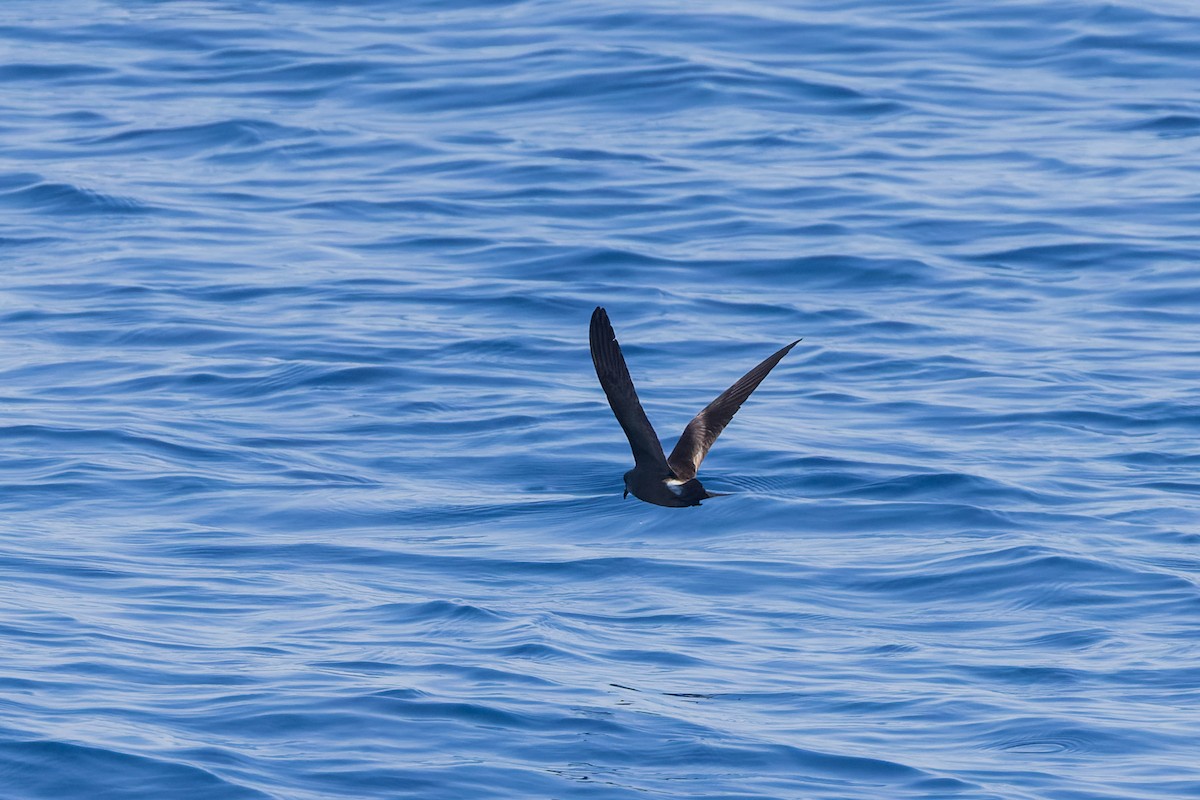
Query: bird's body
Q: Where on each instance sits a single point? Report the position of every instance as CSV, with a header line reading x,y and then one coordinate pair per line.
x,y
647,483
655,477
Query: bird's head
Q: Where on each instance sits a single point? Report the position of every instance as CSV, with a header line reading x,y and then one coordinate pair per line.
x,y
627,483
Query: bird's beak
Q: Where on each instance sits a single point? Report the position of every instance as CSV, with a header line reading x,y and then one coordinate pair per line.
x,y
626,495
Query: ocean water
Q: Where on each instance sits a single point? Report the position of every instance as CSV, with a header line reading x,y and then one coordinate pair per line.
x,y
308,489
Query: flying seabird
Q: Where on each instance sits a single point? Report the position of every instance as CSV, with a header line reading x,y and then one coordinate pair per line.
x,y
655,478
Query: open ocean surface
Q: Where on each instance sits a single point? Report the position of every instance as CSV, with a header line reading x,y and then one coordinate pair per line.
x,y
308,489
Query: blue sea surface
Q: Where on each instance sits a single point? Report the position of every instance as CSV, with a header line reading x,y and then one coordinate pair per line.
x,y
308,490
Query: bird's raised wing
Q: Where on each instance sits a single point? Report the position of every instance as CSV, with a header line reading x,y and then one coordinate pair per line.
x,y
706,426
618,386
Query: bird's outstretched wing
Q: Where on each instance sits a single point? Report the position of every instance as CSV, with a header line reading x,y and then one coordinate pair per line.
x,y
706,426
618,386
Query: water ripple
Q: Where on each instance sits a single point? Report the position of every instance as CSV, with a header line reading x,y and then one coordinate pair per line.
x,y
310,491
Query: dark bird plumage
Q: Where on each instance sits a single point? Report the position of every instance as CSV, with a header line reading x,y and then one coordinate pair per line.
x,y
655,477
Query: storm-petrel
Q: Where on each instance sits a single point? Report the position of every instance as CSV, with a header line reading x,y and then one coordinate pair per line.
x,y
655,478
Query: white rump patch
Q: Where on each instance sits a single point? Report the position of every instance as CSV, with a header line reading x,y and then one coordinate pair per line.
x,y
674,485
